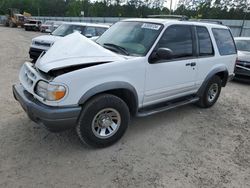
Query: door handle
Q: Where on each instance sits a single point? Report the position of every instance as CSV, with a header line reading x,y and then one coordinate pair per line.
x,y
193,64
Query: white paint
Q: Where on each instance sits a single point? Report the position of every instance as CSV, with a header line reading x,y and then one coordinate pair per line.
x,y
152,82
74,49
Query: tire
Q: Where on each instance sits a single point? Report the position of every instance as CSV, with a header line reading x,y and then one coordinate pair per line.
x,y
211,93
103,121
12,24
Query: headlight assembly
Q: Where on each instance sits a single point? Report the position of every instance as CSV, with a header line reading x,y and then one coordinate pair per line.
x,y
50,92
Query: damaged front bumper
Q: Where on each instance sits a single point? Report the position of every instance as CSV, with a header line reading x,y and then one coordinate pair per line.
x,y
54,118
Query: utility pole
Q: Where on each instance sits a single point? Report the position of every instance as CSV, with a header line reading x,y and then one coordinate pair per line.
x,y
246,10
171,3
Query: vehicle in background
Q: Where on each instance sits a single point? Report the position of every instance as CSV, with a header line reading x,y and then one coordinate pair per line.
x,y
138,67
32,25
43,43
242,68
14,18
50,26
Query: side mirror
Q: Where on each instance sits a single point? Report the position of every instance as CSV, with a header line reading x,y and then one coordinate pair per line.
x,y
164,53
161,54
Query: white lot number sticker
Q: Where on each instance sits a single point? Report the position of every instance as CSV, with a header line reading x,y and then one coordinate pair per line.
x,y
151,26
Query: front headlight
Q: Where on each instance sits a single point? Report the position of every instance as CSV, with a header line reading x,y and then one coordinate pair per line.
x,y
50,92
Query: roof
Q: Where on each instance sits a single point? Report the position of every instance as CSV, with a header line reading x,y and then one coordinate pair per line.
x,y
171,21
86,24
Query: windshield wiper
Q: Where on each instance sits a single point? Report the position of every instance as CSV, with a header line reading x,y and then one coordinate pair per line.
x,y
117,47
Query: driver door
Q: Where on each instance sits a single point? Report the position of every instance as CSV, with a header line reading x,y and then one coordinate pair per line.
x,y
167,79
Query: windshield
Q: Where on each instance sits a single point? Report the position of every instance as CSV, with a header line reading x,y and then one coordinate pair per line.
x,y
134,38
243,45
67,29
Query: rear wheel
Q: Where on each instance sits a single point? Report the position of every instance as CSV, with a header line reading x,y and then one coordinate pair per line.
x,y
103,121
211,93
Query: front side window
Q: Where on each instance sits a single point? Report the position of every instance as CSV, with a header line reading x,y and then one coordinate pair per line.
x,y
224,41
130,38
178,38
243,45
205,43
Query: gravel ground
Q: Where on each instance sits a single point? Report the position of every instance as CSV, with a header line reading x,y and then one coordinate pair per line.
x,y
185,147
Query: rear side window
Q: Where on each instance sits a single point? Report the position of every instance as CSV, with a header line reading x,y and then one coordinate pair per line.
x,y
178,38
224,41
205,43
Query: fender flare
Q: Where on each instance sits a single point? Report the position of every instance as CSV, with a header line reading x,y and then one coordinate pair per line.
x,y
212,74
116,85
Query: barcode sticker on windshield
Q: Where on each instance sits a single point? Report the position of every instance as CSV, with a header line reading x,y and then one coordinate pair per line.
x,y
151,26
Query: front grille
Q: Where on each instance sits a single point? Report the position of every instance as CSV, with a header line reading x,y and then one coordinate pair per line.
x,y
42,44
244,64
28,77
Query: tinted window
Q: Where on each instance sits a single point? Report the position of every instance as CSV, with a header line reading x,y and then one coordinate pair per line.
x,y
224,41
100,30
178,38
243,45
205,43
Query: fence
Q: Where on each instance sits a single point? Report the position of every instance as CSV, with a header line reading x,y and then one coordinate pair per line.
x,y
235,25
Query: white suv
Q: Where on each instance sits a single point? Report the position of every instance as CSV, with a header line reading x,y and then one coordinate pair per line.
x,y
138,67
43,43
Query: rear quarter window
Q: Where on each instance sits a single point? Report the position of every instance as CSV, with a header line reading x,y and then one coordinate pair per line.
x,y
224,41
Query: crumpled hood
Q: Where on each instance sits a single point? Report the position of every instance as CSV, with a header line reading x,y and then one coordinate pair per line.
x,y
73,50
47,38
244,56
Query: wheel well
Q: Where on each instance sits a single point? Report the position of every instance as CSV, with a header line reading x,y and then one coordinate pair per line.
x,y
223,76
127,96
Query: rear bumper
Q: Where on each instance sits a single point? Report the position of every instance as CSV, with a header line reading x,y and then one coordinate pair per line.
x,y
35,53
54,118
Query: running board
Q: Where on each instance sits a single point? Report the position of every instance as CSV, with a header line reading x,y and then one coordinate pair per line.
x,y
167,107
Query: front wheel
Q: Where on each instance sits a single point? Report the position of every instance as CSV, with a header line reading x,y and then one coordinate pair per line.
x,y
103,121
211,93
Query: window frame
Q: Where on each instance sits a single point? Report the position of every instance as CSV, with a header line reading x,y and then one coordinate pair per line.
x,y
194,46
198,42
232,40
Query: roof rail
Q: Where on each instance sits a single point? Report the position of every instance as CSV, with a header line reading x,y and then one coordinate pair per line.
x,y
176,17
207,21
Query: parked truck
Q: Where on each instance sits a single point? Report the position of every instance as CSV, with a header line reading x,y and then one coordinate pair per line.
x,y
14,18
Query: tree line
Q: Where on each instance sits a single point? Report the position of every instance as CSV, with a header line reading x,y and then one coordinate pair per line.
x,y
203,9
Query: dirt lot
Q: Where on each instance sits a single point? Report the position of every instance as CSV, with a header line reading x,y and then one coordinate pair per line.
x,y
185,147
